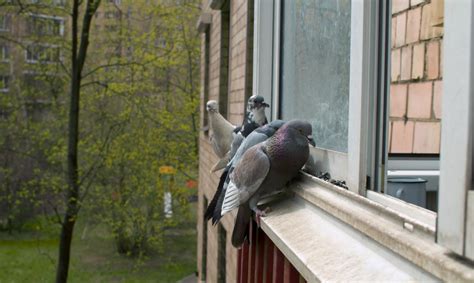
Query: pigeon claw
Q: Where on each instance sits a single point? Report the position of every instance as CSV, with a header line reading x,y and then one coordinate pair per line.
x,y
261,213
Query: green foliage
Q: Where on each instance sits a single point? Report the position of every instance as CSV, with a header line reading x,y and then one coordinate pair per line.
x,y
32,254
139,111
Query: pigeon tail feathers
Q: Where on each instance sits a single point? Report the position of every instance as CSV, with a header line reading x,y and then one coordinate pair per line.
x,y
217,211
212,205
222,163
231,199
241,226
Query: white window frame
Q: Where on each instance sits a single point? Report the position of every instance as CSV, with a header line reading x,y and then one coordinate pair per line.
x,y
7,88
54,18
263,55
456,194
456,197
47,46
4,53
5,24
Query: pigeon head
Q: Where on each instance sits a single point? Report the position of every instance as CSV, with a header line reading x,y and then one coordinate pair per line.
x,y
256,109
256,102
302,127
212,106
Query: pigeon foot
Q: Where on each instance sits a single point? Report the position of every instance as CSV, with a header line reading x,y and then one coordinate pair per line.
x,y
261,213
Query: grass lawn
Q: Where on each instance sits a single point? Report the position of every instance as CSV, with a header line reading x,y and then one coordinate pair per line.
x,y
31,257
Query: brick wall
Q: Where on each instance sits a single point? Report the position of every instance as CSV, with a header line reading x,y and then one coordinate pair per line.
x,y
416,76
236,88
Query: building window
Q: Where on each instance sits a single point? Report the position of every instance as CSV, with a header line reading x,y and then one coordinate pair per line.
x,y
5,22
42,53
41,87
59,2
111,27
45,25
204,241
4,53
314,84
112,14
225,59
396,79
207,55
54,2
411,106
221,256
4,83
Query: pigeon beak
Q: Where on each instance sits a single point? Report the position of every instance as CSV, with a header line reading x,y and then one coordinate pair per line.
x,y
311,141
265,104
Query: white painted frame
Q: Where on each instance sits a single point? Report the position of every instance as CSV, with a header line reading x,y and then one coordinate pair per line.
x,y
362,83
276,59
49,17
263,51
456,167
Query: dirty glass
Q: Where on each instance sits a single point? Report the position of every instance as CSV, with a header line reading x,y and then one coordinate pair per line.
x,y
315,50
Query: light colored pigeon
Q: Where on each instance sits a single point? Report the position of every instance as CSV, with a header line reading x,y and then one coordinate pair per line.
x,y
264,168
254,117
259,135
221,131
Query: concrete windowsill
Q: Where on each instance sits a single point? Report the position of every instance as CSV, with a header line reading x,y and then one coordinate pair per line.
x,y
331,234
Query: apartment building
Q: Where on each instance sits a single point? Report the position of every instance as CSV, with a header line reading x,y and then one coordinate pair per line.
x,y
387,86
28,43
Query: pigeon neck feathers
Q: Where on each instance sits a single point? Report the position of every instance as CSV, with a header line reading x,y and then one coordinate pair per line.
x,y
252,121
288,147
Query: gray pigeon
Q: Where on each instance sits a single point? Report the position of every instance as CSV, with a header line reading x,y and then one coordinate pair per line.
x,y
221,130
254,117
259,135
263,168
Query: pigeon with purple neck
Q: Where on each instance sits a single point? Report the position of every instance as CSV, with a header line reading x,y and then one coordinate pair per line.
x,y
259,135
264,168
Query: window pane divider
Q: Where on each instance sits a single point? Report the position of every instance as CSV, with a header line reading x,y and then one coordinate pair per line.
x,y
362,60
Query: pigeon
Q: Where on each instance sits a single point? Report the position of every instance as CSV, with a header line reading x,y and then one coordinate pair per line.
x,y
263,168
254,118
221,130
259,135
255,115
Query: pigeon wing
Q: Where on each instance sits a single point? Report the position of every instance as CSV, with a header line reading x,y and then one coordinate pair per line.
x,y
246,178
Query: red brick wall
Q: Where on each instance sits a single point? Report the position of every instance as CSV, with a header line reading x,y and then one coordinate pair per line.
x,y
416,76
239,89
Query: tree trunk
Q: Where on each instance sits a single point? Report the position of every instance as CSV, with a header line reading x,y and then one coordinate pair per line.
x,y
78,57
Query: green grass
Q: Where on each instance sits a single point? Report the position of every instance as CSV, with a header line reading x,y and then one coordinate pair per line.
x,y
31,257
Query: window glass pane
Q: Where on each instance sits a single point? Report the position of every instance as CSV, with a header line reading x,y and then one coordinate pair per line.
x,y
414,102
315,67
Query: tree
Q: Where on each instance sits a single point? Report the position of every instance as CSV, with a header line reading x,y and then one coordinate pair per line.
x,y
153,95
136,88
80,43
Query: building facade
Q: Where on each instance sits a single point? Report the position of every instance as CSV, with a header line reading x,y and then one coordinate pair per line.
x,y
387,194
